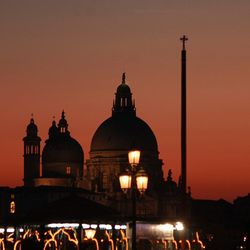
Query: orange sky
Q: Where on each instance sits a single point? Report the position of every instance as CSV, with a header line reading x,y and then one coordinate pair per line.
x,y
70,55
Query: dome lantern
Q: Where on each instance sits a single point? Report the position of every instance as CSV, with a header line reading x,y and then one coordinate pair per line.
x,y
63,125
32,128
123,99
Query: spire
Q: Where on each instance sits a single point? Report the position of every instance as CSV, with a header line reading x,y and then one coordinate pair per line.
x,y
63,114
123,99
124,78
32,118
32,121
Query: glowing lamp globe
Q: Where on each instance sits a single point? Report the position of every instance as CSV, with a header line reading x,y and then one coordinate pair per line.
x,y
142,180
134,157
125,180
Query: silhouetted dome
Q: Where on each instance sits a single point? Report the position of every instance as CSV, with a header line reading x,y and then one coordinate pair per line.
x,y
62,149
32,128
123,89
123,132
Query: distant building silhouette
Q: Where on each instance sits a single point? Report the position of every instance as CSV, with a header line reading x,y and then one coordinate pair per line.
x,y
63,159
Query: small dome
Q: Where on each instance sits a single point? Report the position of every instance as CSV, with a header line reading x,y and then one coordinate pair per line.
x,y
32,128
63,148
123,89
123,132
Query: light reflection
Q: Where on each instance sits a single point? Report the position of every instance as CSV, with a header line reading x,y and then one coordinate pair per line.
x,y
62,231
199,241
124,238
64,225
10,230
54,236
105,226
110,240
179,226
2,245
165,227
84,226
17,245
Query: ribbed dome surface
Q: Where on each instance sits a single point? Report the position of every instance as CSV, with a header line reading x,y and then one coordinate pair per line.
x,y
62,149
123,132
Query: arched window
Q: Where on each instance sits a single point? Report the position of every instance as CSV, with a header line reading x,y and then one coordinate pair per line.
x,y
12,207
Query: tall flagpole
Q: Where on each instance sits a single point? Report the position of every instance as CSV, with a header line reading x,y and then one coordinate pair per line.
x,y
183,118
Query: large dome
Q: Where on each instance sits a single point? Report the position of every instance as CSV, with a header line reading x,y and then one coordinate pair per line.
x,y
112,140
123,132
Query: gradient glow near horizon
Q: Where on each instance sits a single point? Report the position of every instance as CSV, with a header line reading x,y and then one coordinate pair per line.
x,y
70,55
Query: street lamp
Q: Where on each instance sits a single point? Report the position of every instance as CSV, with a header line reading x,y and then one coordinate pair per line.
x,y
141,180
125,180
135,180
134,157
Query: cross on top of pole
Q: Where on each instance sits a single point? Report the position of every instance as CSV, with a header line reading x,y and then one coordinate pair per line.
x,y
183,39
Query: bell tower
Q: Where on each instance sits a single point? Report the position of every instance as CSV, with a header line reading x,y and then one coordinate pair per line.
x,y
31,153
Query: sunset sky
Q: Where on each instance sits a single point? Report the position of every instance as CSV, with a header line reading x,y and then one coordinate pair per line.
x,y
70,55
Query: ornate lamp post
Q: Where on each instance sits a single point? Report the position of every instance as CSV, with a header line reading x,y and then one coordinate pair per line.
x,y
134,179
